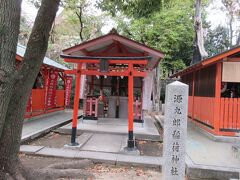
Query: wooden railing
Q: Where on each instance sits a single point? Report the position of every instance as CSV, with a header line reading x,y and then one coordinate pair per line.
x,y
36,106
190,105
91,107
137,107
60,98
38,101
203,109
230,113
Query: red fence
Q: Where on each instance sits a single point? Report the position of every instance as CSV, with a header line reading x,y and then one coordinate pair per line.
x,y
38,101
91,107
137,107
203,109
60,98
190,105
37,105
230,113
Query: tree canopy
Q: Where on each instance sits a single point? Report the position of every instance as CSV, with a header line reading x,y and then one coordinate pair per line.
x,y
165,26
132,8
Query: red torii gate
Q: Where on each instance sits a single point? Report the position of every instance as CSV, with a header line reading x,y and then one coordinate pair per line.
x,y
109,62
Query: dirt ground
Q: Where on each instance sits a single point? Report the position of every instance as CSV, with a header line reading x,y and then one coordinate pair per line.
x,y
100,171
52,140
149,148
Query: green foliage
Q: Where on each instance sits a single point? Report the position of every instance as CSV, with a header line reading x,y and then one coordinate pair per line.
x,y
132,8
169,30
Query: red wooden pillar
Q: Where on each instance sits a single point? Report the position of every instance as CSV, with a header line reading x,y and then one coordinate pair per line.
x,y
92,85
131,142
217,97
193,95
76,106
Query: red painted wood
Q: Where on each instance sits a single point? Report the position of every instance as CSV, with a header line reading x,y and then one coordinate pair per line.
x,y
216,111
238,113
114,37
230,113
130,98
222,113
209,61
111,54
91,107
76,97
38,100
113,73
226,114
60,100
204,106
74,71
190,106
96,61
235,113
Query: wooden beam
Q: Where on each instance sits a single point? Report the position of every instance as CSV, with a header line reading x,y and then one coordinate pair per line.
x,y
125,50
74,71
85,52
117,54
217,100
139,74
193,94
108,48
118,46
235,59
96,61
112,73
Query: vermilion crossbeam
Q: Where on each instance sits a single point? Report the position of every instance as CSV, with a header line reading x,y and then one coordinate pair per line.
x,y
95,61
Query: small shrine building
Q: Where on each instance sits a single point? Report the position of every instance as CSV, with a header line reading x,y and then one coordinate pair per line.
x,y
51,90
214,93
113,74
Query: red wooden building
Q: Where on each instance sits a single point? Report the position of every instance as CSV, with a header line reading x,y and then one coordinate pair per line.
x,y
214,93
113,68
49,90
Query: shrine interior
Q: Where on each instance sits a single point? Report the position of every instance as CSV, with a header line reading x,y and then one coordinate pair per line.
x,y
108,96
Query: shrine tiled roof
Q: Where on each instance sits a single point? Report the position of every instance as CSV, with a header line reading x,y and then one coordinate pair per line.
x,y
47,61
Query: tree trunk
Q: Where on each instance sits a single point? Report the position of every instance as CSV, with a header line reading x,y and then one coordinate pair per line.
x,y
28,70
79,15
231,30
9,30
199,51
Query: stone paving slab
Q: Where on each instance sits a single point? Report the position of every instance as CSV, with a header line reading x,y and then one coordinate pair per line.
x,y
116,126
33,128
104,143
57,152
83,138
30,149
208,158
112,158
139,160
